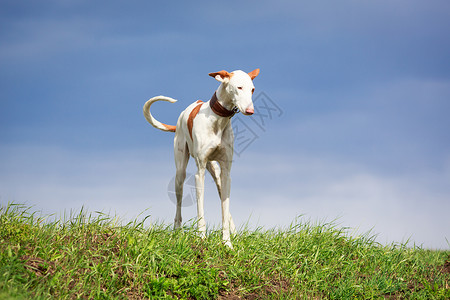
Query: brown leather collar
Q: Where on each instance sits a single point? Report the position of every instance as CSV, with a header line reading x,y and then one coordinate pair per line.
x,y
219,110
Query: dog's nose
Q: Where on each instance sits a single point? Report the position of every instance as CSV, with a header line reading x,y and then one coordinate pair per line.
x,y
249,111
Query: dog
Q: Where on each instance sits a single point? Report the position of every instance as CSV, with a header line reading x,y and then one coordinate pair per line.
x,y
204,132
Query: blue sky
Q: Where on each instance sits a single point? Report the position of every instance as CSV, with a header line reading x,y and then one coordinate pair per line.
x,y
360,132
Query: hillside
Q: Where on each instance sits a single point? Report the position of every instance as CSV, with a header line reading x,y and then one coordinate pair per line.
x,y
93,256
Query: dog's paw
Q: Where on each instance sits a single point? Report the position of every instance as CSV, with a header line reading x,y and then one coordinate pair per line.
x,y
229,245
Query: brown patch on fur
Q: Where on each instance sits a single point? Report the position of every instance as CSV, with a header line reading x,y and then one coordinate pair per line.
x,y
171,128
192,115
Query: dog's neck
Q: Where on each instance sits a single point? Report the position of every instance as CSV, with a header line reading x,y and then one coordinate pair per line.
x,y
219,109
221,104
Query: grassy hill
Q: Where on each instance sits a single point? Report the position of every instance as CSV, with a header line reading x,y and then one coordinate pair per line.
x,y
86,256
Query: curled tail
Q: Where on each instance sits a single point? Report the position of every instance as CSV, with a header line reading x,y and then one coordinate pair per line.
x,y
155,123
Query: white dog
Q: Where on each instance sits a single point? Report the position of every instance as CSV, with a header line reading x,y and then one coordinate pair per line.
x,y
204,131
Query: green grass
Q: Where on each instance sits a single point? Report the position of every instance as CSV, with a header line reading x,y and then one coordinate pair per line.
x,y
94,257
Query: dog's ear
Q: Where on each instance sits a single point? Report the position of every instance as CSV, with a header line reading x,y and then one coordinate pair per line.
x,y
253,73
221,75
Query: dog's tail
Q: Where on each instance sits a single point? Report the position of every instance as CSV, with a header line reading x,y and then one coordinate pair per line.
x,y
155,123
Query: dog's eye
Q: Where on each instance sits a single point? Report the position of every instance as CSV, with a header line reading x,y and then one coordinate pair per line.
x,y
253,90
240,87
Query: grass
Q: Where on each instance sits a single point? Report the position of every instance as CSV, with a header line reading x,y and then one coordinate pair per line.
x,y
94,257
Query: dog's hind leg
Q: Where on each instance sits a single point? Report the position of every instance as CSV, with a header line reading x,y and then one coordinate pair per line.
x,y
181,160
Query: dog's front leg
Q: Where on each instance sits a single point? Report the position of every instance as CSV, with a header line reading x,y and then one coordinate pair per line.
x,y
199,186
227,222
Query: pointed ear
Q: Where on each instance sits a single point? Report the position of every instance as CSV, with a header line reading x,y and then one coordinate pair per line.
x,y
221,75
253,73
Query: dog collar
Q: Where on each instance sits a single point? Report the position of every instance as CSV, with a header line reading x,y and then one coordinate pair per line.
x,y
219,110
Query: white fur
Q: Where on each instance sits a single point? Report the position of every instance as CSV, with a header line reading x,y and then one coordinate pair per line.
x,y
155,123
211,145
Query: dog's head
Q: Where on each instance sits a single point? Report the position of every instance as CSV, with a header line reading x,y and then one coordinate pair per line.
x,y
239,88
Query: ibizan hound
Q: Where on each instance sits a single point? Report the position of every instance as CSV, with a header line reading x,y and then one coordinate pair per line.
x,y
204,131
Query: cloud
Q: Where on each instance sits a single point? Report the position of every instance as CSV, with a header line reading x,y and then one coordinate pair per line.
x,y
397,206
54,179
395,126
